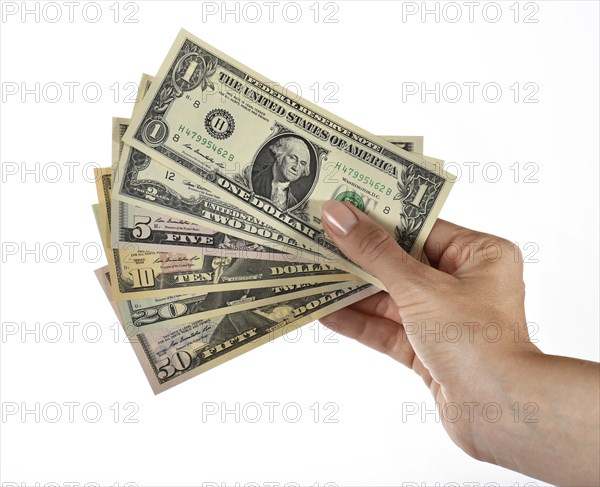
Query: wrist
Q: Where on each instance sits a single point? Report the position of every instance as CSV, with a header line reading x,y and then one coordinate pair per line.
x,y
504,407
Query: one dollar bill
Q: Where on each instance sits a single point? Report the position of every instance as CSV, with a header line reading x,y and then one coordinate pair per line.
x,y
277,158
152,230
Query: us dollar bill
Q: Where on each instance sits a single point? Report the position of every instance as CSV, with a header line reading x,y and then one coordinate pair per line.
x,y
406,142
120,124
138,273
173,355
142,315
119,127
276,157
98,218
103,276
152,230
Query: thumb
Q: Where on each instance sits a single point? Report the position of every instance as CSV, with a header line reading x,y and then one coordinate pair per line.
x,y
371,247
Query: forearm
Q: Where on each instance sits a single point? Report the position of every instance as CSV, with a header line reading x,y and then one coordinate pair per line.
x,y
551,430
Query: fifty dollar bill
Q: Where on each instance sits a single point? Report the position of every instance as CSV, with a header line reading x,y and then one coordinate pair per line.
x,y
172,356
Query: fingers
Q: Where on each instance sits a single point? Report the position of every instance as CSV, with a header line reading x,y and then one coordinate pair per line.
x,y
380,334
379,305
442,235
371,247
450,246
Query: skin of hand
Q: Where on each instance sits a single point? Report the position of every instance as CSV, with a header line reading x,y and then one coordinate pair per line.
x,y
460,324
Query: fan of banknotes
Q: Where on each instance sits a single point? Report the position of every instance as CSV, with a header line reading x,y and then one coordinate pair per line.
x,y
211,212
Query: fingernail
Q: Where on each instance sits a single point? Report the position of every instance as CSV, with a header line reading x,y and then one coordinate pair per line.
x,y
340,217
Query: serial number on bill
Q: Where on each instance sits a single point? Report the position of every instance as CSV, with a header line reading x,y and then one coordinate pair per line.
x,y
205,141
353,173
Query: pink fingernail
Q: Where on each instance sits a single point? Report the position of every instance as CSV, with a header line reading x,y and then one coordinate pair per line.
x,y
340,217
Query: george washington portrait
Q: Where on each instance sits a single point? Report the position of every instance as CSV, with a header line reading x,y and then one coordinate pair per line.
x,y
284,171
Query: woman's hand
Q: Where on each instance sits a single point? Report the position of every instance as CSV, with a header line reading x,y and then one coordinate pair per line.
x,y
460,324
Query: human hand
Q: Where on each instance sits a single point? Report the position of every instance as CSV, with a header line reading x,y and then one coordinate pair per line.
x,y
459,323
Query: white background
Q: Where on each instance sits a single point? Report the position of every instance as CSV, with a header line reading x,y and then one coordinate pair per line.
x,y
372,55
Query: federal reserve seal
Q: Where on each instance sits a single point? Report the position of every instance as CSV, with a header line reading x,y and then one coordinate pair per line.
x,y
219,123
353,198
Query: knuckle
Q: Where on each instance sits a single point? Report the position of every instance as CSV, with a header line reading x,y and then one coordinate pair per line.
x,y
504,243
391,344
362,332
383,306
497,249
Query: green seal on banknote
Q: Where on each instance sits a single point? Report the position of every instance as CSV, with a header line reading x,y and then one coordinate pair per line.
x,y
352,198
